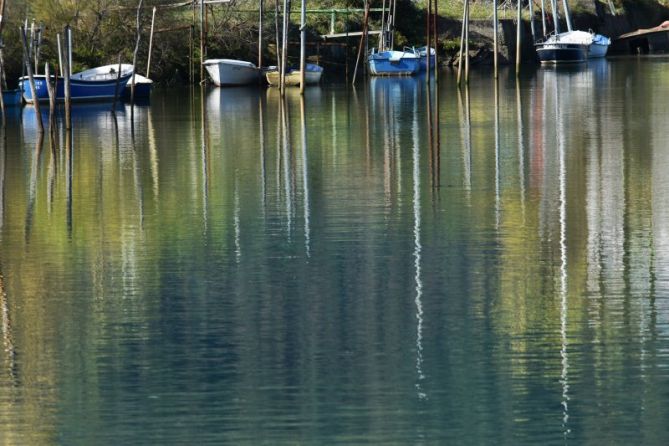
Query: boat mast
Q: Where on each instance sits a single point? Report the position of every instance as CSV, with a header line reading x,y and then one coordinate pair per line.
x,y
392,25
556,18
567,14
382,39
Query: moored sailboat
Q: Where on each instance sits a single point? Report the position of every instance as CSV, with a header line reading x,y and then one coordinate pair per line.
x,y
570,46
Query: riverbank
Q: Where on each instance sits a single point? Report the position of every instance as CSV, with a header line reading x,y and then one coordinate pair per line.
x,y
101,33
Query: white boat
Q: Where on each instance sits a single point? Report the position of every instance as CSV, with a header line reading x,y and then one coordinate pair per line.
x,y
573,46
231,72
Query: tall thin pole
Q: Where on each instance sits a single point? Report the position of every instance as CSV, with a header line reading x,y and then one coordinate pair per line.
x,y
51,90
202,39
116,86
543,17
148,63
382,38
556,17
462,42
392,24
567,14
363,40
467,44
67,58
495,32
260,37
69,49
31,80
60,56
435,36
534,35
138,30
428,36
518,36
2,60
303,43
284,55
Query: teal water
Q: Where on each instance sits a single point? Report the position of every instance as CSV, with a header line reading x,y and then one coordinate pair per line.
x,y
235,269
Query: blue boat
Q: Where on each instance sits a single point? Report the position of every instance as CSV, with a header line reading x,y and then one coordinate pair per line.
x,y
422,52
11,98
97,84
143,87
393,63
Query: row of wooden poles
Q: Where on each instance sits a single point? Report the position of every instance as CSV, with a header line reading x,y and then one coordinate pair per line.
x,y
65,60
281,35
464,37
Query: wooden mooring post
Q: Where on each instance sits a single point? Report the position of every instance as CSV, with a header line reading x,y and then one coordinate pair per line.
x,y
428,39
31,79
148,62
303,40
68,72
519,21
495,37
2,61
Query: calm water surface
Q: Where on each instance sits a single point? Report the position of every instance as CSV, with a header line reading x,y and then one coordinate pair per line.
x,y
247,271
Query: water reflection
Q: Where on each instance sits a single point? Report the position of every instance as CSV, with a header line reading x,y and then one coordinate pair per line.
x,y
241,268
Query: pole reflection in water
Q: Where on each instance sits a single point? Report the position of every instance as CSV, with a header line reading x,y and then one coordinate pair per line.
x,y
68,178
287,155
417,254
238,246
521,149
32,191
497,149
204,156
153,153
53,169
305,177
263,158
466,131
562,177
3,163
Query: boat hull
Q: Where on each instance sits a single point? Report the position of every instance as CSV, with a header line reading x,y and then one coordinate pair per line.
x,y
562,53
227,74
423,58
311,77
596,50
80,90
393,63
142,91
11,98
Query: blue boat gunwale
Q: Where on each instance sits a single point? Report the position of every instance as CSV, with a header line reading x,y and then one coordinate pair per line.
x,y
104,84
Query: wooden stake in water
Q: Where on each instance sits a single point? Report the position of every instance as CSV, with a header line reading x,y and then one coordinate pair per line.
x,y
2,61
31,80
435,36
203,43
495,32
462,42
60,56
303,44
518,37
116,87
67,58
148,63
363,39
284,52
51,90
260,25
138,31
428,39
467,43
